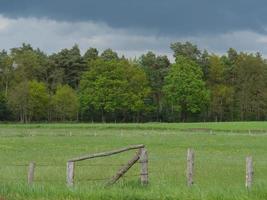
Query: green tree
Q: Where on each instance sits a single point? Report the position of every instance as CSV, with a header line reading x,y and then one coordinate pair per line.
x,y
184,88
6,71
53,75
192,52
26,63
71,63
204,63
65,103
156,68
4,112
30,64
221,99
113,87
29,100
186,49
229,62
221,92
251,87
90,55
109,55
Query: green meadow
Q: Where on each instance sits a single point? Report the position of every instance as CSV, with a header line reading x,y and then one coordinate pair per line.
x,y
220,152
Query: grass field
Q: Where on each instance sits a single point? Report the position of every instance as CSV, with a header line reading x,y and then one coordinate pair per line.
x,y
220,150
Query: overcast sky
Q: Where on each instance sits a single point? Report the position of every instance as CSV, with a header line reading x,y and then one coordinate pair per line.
x,y
133,27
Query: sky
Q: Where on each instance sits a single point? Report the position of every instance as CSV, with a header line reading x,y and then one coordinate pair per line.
x,y
133,27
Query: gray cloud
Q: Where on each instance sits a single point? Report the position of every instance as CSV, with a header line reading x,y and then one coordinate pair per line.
x,y
51,35
163,17
133,27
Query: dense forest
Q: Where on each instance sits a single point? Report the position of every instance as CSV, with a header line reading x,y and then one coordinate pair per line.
x,y
94,87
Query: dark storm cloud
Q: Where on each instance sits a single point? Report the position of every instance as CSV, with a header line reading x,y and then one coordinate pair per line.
x,y
170,17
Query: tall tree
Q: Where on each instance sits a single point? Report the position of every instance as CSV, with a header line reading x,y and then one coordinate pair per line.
x,y
4,111
72,63
109,55
26,63
186,49
53,75
90,55
221,92
230,76
204,63
156,68
29,100
184,88
113,87
65,103
251,87
6,71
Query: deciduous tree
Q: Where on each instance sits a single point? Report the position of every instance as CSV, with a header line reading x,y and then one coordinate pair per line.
x,y
184,88
65,103
156,68
113,87
29,100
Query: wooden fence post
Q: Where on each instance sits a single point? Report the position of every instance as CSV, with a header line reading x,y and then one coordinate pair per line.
x,y
124,169
70,173
249,172
144,166
190,167
31,172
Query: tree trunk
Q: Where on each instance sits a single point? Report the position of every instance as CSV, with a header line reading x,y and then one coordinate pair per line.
x,y
103,116
6,89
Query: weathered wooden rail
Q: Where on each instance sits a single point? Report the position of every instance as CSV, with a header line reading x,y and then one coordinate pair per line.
x,y
109,153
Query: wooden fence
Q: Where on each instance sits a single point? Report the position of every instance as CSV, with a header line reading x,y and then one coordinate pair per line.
x,y
142,156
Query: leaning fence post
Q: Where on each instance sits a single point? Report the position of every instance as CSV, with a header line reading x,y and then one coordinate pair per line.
x,y
249,172
31,172
144,166
70,173
124,169
190,167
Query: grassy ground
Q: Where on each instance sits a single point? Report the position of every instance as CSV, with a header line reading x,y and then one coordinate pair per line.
x,y
220,149
220,126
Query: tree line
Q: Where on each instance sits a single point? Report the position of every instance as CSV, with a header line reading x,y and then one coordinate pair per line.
x,y
68,86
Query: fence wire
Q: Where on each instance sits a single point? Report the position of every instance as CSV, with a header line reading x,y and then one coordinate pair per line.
x,y
154,169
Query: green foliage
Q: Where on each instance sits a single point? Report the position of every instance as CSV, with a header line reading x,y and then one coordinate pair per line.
x,y
29,100
187,49
4,112
221,99
6,71
26,63
199,87
65,103
109,55
37,100
251,87
113,86
90,55
184,89
156,68
221,93
71,63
